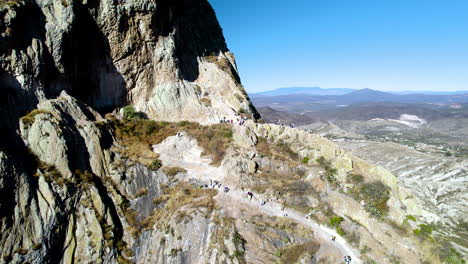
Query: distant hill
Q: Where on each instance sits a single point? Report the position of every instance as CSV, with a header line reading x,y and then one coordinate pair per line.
x,y
304,90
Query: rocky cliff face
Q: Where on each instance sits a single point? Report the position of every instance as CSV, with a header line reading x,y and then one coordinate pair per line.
x,y
80,187
168,58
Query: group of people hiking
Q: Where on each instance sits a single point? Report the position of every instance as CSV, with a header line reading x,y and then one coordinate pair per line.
x,y
250,196
240,120
278,122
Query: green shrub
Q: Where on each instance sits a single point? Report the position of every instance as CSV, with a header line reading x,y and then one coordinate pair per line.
x,y
375,196
155,165
130,113
355,178
336,221
305,160
330,172
340,231
451,256
410,218
424,231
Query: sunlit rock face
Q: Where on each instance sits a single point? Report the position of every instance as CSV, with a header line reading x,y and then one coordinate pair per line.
x,y
168,58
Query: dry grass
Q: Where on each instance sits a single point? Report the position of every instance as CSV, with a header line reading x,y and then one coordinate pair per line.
x,y
222,63
141,192
173,171
28,119
292,254
282,223
205,101
375,195
180,202
137,137
280,151
290,185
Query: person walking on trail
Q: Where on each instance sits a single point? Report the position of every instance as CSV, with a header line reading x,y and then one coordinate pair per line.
x,y
250,195
263,203
347,259
333,238
226,189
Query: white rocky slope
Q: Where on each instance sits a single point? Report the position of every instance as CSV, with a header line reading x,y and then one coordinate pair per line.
x,y
440,182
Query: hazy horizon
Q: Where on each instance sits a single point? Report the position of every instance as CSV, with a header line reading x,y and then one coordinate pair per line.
x,y
360,88
389,46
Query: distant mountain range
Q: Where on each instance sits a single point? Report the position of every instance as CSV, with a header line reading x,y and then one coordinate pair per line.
x,y
341,91
311,101
304,90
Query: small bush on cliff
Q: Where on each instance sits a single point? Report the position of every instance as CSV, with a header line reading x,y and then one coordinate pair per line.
x,y
375,195
355,178
424,231
155,165
305,160
239,243
330,172
450,255
335,222
130,113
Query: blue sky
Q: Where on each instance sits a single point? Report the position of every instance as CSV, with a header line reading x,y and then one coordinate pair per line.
x,y
390,45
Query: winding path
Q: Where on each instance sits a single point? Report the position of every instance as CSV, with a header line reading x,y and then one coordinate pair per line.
x,y
184,152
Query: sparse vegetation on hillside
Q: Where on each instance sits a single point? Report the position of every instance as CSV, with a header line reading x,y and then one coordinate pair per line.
x,y
137,137
355,178
450,256
291,186
424,231
173,171
281,150
223,64
330,172
180,202
293,253
375,195
335,222
7,3
239,243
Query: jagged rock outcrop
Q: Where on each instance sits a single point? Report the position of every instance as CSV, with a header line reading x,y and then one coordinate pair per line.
x,y
168,58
